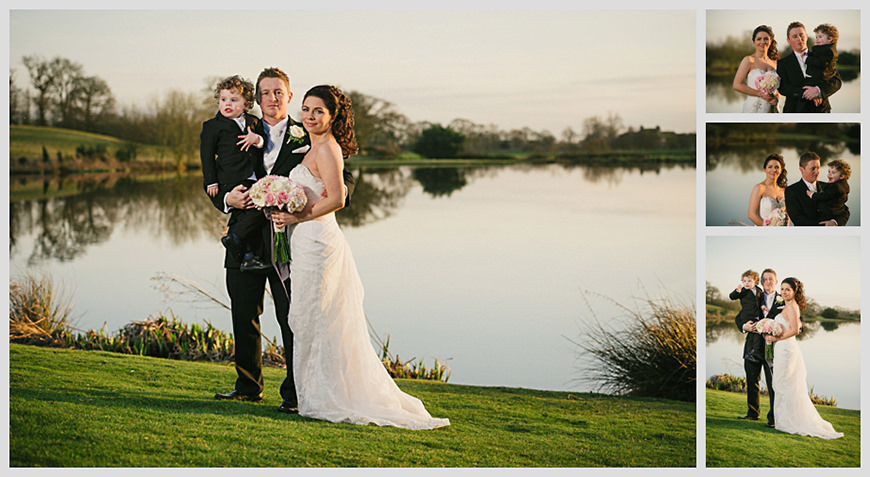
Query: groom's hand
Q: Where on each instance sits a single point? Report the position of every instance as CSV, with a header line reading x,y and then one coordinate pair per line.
x,y
238,198
829,223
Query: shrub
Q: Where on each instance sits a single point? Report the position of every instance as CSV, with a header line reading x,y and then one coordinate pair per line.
x,y
653,357
727,382
39,312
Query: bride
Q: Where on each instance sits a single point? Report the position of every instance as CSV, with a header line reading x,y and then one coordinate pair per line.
x,y
767,200
752,67
339,377
793,409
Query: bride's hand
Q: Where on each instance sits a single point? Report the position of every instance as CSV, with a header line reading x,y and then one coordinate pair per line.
x,y
769,339
281,218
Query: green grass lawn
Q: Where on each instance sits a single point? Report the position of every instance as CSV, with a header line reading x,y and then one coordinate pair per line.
x,y
72,408
731,442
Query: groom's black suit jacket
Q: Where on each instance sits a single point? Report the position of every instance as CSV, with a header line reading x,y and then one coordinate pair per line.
x,y
792,82
285,162
801,209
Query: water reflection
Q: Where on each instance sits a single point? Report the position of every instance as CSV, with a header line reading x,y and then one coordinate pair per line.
x,y
455,276
75,212
722,98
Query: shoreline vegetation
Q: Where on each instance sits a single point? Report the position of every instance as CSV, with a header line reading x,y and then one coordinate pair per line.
x,y
737,384
40,313
50,150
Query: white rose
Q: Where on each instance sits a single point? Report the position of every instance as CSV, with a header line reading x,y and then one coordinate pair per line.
x,y
297,131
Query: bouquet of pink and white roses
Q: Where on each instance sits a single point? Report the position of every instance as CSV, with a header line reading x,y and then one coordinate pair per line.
x,y
278,192
778,217
768,326
767,82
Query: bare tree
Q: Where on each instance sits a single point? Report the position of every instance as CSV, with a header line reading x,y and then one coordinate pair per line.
x,y
67,88
42,80
379,127
16,115
95,101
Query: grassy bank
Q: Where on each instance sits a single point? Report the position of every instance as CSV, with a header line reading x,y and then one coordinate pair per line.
x,y
731,442
62,147
88,408
38,149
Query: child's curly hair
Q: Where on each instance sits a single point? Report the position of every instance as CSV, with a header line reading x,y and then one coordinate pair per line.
x,y
830,30
845,169
239,85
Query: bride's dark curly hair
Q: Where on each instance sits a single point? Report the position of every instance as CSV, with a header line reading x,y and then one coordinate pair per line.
x,y
341,110
772,51
798,288
781,181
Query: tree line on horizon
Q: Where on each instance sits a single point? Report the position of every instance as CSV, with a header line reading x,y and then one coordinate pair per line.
x,y
61,94
725,56
714,297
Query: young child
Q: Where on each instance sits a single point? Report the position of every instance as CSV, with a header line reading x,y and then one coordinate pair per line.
x,y
822,59
831,196
749,294
228,160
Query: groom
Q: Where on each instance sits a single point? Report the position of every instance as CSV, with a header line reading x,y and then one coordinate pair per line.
x,y
801,209
792,71
281,153
753,348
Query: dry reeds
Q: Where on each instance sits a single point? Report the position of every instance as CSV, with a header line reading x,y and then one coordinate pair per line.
x,y
411,369
655,356
39,311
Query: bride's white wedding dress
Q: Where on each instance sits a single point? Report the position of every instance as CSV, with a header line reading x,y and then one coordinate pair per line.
x,y
792,408
754,104
339,377
772,211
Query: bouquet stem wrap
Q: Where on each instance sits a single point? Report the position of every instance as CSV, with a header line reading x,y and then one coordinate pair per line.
x,y
279,193
282,248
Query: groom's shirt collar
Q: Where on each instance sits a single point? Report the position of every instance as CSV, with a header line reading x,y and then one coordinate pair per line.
x,y
273,146
810,185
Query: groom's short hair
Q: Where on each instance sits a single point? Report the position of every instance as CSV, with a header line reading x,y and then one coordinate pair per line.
x,y
271,73
793,25
768,270
807,157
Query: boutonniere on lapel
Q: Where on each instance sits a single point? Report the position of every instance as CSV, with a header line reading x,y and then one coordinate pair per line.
x,y
296,134
778,300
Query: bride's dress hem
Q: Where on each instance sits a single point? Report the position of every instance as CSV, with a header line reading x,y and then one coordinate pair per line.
x,y
793,410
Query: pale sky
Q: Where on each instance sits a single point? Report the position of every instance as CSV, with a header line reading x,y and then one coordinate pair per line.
x,y
829,267
544,69
741,23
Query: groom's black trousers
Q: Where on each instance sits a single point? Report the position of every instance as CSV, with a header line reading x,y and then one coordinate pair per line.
x,y
247,290
753,374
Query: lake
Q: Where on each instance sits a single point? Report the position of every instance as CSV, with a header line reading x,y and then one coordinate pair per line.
x,y
732,172
831,351
484,267
721,97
